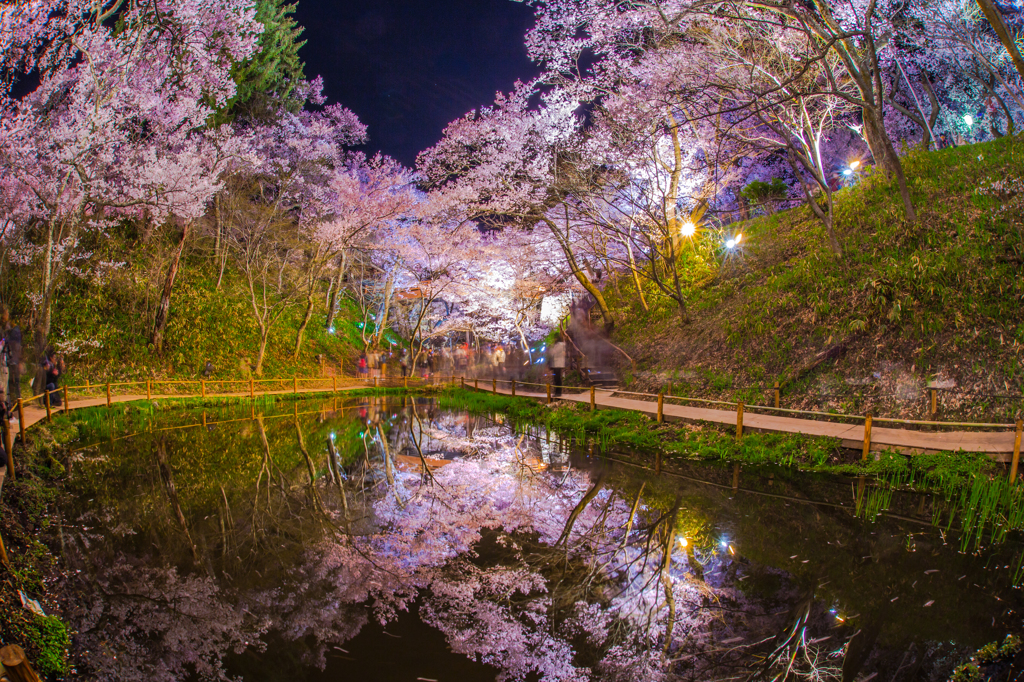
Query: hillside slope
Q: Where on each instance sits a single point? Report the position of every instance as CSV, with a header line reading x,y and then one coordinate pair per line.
x,y
103,329
937,301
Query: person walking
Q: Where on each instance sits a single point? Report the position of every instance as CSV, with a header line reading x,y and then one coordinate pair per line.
x,y
557,362
363,366
403,362
499,361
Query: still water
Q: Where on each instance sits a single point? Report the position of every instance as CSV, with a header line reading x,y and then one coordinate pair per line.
x,y
388,538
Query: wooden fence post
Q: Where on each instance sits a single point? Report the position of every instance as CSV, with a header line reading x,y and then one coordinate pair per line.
x,y
739,420
494,385
593,398
513,388
661,407
21,420
867,436
3,553
252,392
934,407
1016,452
334,384
375,382
777,392
295,385
16,664
67,407
108,394
149,393
202,387
406,382
8,437
549,392
476,384
46,401
735,478
462,383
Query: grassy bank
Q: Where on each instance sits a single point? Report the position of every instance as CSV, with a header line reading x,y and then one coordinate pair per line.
x,y
31,528
908,304
103,326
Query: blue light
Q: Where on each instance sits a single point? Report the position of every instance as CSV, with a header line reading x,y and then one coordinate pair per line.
x,y
332,436
331,330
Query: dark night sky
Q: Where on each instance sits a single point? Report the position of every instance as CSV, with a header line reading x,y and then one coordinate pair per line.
x,y
408,67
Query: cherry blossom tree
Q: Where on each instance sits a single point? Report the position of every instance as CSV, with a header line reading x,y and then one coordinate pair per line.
x,y
116,127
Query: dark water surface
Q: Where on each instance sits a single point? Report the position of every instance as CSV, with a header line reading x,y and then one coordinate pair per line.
x,y
310,543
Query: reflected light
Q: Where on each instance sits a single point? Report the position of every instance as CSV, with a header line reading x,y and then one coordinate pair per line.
x,y
854,165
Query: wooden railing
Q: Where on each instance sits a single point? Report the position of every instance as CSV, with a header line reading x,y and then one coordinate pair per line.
x,y
867,420
201,388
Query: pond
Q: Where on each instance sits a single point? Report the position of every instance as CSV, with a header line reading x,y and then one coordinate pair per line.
x,y
389,538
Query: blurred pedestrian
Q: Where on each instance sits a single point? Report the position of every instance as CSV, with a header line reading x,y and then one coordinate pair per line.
x,y
556,360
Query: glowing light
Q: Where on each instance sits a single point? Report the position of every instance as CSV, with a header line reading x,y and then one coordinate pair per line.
x,y
854,165
739,237
332,436
725,543
682,541
847,172
969,120
331,330
731,550
688,229
730,243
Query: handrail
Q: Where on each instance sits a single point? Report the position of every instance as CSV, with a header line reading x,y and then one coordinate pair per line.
x,y
769,408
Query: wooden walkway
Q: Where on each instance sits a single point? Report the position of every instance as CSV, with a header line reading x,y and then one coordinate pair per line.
x,y
999,445
35,413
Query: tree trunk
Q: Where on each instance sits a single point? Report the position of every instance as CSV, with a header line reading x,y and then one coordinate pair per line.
x,y
310,302
332,304
632,271
162,310
991,13
262,351
886,157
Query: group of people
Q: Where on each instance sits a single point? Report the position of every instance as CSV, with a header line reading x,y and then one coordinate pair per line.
x,y
497,361
12,367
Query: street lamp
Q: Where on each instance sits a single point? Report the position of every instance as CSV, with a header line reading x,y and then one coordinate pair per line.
x,y
688,229
969,120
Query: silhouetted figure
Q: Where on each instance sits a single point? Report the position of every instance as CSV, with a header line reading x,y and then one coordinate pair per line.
x,y
557,362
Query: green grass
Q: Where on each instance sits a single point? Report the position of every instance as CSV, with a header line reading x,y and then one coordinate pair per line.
x,y
103,327
941,295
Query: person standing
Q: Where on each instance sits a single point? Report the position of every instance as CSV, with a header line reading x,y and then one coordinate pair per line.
x,y
53,364
4,375
403,362
499,361
557,362
12,335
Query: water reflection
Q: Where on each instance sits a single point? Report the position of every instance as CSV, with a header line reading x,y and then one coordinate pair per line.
x,y
296,538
